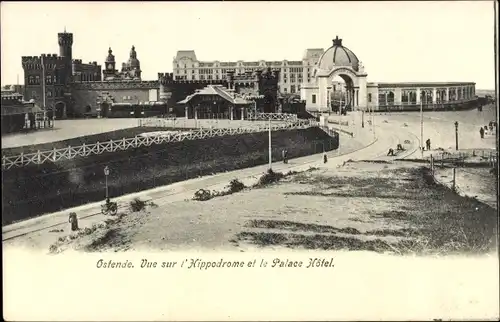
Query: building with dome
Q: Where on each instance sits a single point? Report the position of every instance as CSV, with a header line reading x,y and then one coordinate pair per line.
x,y
131,70
315,78
340,61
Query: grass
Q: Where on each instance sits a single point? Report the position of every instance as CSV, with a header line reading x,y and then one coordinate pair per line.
x,y
427,218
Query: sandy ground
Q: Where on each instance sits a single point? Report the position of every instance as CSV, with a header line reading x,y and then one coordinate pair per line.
x,y
189,224
472,182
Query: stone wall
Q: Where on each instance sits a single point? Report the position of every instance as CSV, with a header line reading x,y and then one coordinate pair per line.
x,y
89,97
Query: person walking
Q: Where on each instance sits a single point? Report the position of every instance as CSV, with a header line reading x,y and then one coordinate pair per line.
x,y
325,157
428,144
285,157
481,132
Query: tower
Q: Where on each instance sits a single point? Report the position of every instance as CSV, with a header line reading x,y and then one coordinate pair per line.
x,y
66,45
109,71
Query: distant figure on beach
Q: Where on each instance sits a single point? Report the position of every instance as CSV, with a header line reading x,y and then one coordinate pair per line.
x,y
481,132
325,158
73,220
391,152
428,144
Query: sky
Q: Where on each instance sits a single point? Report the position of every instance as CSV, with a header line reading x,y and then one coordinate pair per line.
x,y
396,41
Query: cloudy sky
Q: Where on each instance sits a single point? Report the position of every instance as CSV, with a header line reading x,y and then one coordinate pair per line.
x,y
396,41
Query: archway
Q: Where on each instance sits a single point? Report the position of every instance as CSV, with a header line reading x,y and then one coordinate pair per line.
x,y
105,109
341,95
60,110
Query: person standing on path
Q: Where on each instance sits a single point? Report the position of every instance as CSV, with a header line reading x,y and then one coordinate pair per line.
x,y
428,144
481,132
73,220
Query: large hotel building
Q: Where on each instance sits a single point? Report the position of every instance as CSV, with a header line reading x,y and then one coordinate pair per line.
x,y
292,72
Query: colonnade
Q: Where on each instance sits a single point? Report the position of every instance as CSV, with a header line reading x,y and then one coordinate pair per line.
x,y
431,95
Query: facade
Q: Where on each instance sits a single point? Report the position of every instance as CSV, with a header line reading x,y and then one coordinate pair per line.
x,y
186,66
362,95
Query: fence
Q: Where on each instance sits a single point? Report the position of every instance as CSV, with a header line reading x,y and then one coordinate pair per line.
x,y
458,162
273,116
84,150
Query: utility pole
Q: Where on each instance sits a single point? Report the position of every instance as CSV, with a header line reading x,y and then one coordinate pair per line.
x,y
456,136
421,125
270,149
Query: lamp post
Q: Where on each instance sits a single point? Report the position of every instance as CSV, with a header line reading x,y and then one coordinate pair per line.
x,y
456,136
106,174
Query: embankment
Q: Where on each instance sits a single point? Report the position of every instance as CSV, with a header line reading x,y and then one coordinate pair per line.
x,y
37,189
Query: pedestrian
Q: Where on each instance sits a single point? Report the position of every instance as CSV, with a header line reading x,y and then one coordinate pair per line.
x,y
283,155
428,144
286,156
325,158
391,152
73,220
481,132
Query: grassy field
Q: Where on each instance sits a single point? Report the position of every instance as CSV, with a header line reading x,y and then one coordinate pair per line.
x,y
381,207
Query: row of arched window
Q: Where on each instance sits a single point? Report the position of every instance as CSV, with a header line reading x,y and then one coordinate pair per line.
x,y
89,77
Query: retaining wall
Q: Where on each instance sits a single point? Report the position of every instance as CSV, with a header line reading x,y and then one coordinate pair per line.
x,y
36,189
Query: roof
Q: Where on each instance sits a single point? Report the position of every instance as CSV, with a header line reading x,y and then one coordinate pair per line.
x,y
217,90
338,55
313,53
186,54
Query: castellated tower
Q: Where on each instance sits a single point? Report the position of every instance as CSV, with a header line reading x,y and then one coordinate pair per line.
x,y
165,80
66,45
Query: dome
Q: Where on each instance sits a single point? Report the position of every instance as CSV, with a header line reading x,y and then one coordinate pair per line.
x,y
338,55
133,62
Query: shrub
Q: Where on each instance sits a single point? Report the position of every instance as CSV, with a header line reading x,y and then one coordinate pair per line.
x,y
202,195
270,177
235,186
137,205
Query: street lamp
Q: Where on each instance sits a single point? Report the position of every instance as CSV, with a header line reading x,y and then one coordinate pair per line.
x,y
456,136
106,174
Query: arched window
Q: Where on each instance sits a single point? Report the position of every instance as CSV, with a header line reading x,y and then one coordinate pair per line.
x,y
31,79
37,79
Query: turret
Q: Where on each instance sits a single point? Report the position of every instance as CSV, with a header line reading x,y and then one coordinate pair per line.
x,y
66,45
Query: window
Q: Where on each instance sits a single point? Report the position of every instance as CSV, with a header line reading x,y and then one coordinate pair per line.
x,y
370,97
292,89
37,79
48,79
193,77
49,94
285,90
31,79
314,99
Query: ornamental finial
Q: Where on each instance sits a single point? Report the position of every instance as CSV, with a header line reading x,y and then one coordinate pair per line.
x,y
337,41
